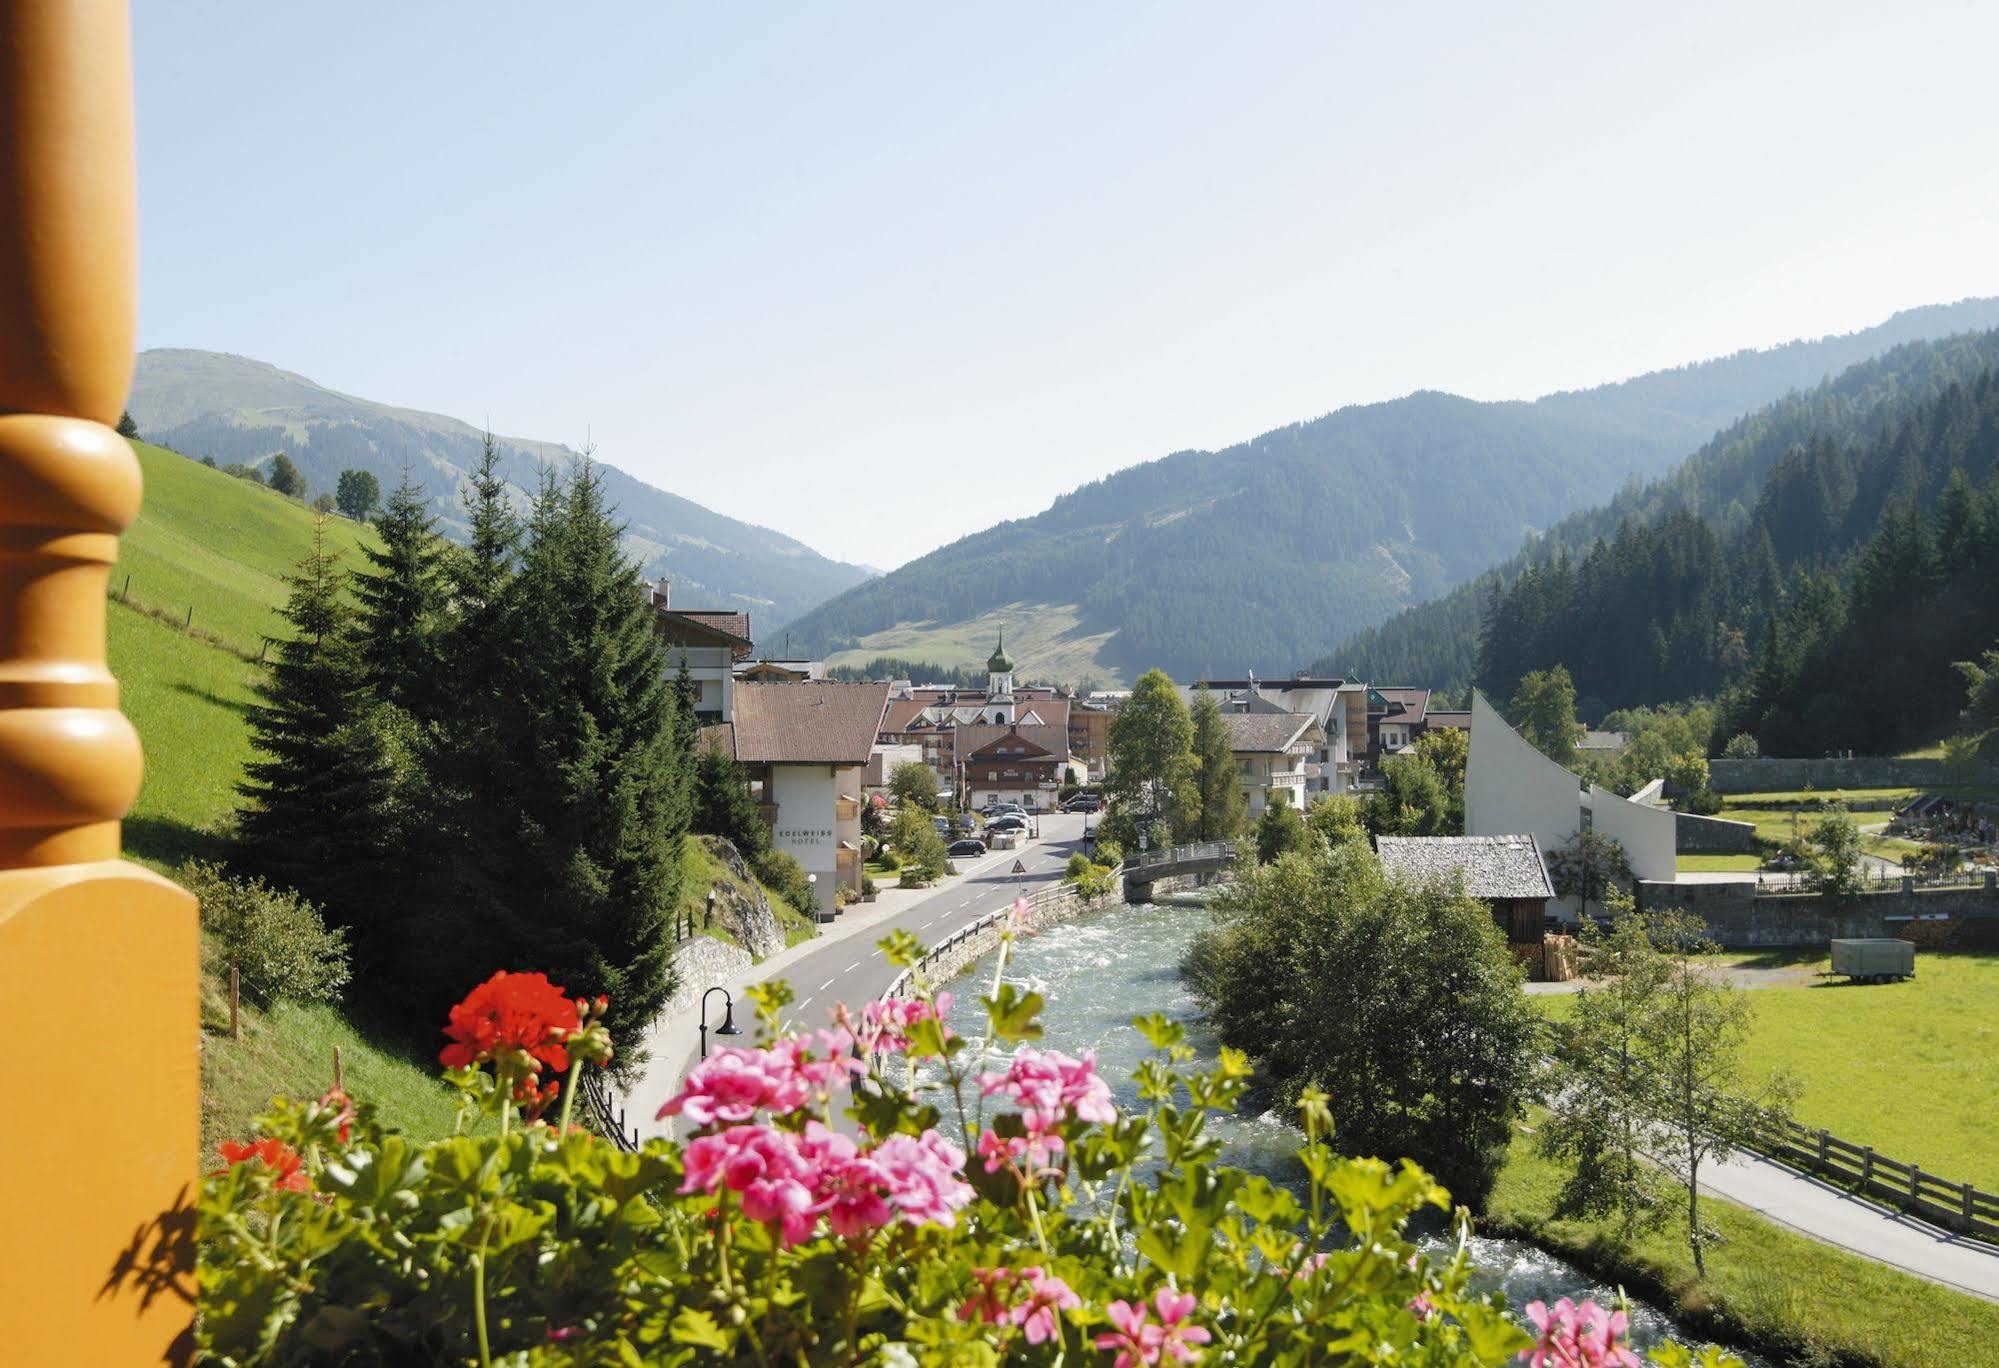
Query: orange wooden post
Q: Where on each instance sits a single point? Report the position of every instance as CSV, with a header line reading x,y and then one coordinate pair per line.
x,y
99,972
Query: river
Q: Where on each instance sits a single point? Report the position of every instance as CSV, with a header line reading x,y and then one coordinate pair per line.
x,y
1098,972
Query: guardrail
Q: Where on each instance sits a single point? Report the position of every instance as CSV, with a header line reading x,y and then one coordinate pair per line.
x,y
1960,1206
610,1118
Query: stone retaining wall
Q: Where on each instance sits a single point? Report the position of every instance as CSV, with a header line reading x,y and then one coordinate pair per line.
x,y
1770,775
1694,834
700,961
1737,915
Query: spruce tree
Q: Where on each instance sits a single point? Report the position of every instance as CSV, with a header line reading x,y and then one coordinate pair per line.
x,y
601,772
724,805
1218,774
400,603
317,816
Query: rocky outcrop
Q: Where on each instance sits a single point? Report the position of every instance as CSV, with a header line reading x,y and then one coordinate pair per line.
x,y
741,906
700,963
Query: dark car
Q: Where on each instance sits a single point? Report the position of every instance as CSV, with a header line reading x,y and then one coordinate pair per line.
x,y
968,846
1084,802
1007,823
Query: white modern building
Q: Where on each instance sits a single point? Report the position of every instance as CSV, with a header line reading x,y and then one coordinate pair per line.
x,y
1513,789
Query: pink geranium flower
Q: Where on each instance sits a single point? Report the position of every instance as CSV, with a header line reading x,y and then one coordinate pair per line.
x,y
1033,1154
885,1025
921,1175
1046,1294
1571,1336
733,1085
1139,1342
765,1168
1050,1088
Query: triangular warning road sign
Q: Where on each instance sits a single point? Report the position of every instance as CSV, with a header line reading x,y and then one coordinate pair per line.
x,y
1019,867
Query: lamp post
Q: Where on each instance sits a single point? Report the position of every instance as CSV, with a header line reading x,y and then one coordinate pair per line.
x,y
728,1026
711,909
98,1264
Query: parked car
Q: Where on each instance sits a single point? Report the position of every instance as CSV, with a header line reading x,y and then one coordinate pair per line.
x,y
1010,822
968,846
1084,802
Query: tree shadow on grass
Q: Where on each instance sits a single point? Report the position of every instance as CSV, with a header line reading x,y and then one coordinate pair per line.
x,y
168,843
209,696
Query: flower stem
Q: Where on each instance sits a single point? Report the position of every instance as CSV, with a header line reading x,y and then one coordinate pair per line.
x,y
569,1095
479,1294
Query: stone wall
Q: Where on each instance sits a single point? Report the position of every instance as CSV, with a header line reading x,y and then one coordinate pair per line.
x,y
701,962
1769,775
1697,835
1737,915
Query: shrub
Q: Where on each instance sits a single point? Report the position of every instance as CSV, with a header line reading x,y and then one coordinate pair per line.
x,y
1079,865
277,940
1741,746
785,876
1108,854
769,1236
888,859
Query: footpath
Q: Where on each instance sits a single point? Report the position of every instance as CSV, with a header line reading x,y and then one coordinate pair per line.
x,y
1815,1208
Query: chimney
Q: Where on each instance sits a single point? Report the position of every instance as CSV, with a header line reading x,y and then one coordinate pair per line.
x,y
662,593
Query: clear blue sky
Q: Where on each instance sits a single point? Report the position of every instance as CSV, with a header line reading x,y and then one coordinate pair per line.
x,y
880,276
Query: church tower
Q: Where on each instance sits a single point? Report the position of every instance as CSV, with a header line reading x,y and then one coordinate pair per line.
x,y
999,684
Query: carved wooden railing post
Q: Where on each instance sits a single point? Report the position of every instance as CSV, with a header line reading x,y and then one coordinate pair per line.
x,y
98,959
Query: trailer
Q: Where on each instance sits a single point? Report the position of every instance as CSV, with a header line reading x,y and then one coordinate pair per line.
x,y
1874,959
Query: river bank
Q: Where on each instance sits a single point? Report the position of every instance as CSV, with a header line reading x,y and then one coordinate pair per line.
x,y
1774,1296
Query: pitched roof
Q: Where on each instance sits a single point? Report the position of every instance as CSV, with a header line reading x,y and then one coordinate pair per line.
x,y
1457,719
675,625
1261,733
819,721
969,741
1490,866
735,624
716,734
1414,702
1015,744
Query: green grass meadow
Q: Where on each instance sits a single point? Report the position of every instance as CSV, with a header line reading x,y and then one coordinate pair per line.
x,y
1910,1068
225,545
1795,1299
219,545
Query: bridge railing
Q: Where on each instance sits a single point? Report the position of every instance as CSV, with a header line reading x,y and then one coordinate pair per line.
x,y
1205,852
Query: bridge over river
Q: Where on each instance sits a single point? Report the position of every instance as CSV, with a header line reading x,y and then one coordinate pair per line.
x,y
1147,867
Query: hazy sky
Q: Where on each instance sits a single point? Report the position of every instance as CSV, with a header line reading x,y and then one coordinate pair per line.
x,y
880,276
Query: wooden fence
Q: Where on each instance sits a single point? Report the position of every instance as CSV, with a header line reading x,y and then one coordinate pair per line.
x,y
1958,1206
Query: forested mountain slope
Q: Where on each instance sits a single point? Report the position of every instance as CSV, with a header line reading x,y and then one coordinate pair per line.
x,y
1722,487
1267,553
239,410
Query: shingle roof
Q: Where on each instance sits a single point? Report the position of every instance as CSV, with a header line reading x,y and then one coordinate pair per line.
x,y
1264,733
1491,866
820,721
1414,702
1458,719
968,741
735,624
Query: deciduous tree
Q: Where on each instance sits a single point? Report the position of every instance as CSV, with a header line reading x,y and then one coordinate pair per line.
x,y
1544,712
285,477
1152,769
914,785
358,493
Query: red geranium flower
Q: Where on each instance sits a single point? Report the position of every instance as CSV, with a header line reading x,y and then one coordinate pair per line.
x,y
507,1012
274,1155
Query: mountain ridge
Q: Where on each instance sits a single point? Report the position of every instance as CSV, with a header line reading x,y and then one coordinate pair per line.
x,y
1274,550
241,409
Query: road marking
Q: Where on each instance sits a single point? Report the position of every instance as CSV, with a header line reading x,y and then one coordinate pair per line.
x,y
824,986
803,1005
852,967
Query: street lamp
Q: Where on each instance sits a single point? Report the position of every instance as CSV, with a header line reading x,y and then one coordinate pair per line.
x,y
728,1026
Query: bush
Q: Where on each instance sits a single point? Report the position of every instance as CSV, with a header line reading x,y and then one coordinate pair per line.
x,y
769,1236
785,876
278,941
888,859
1328,969
1109,854
1079,865
1741,746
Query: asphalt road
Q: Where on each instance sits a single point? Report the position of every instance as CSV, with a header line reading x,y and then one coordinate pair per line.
x,y
843,963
